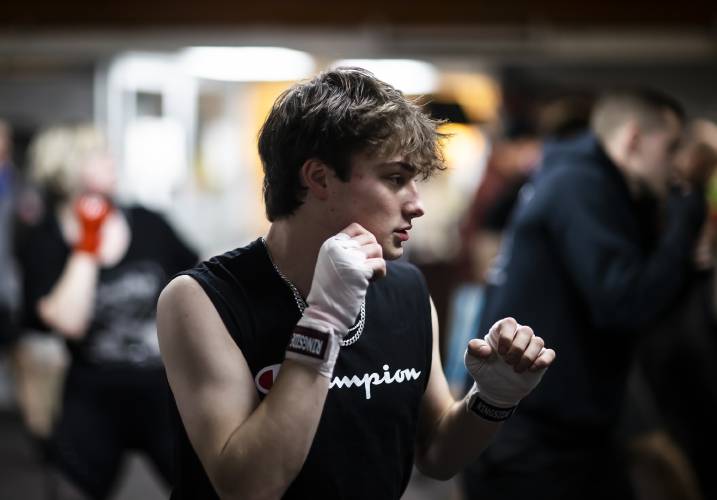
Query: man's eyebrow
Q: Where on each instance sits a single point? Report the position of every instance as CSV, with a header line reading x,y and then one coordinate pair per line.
x,y
402,164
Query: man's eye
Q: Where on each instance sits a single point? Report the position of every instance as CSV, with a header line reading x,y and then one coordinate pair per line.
x,y
396,179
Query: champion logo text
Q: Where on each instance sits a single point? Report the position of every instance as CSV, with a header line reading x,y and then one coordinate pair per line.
x,y
265,379
371,379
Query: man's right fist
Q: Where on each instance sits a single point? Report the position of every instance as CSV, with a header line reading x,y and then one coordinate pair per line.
x,y
91,211
344,266
341,277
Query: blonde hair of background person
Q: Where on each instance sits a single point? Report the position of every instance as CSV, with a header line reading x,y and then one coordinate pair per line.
x,y
60,154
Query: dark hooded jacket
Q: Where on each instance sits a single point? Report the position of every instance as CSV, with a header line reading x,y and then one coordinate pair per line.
x,y
583,265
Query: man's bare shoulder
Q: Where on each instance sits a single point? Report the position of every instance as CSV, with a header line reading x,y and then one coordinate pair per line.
x,y
181,289
194,340
184,306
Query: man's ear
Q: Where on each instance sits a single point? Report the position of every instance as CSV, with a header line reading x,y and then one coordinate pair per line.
x,y
632,135
314,176
623,143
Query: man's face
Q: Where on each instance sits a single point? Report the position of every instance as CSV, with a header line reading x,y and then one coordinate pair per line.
x,y
382,196
98,174
654,154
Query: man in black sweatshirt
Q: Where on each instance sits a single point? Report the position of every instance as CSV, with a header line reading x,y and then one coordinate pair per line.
x,y
585,268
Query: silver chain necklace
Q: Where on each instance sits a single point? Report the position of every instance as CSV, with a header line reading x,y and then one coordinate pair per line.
x,y
355,331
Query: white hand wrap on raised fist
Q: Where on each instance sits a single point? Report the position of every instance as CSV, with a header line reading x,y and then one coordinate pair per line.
x,y
498,387
338,288
339,285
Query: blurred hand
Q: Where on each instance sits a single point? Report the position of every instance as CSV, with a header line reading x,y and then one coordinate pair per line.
x,y
91,211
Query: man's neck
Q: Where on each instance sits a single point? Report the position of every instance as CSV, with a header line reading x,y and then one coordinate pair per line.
x,y
634,186
293,247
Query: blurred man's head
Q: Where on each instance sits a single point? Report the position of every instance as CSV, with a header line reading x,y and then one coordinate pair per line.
x,y
641,131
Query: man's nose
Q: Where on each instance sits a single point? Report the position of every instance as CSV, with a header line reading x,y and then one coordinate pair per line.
x,y
414,206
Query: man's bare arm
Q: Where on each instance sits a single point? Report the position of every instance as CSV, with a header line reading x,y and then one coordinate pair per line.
x,y
250,450
68,307
449,436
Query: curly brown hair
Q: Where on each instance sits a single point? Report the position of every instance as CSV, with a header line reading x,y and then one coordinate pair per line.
x,y
337,114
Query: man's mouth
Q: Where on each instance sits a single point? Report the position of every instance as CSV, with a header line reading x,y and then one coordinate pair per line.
x,y
402,233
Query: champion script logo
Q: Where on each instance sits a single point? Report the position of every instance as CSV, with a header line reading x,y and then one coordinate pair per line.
x,y
265,379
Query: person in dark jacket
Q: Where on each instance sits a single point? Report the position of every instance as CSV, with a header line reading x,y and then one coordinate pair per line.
x,y
683,364
584,265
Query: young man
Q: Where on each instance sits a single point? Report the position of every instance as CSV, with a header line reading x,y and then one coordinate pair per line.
x,y
305,366
584,264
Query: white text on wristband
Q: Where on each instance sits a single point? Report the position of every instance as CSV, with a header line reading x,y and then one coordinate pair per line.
x,y
487,410
309,342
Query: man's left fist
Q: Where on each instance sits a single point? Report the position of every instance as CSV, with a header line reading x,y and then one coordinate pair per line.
x,y
506,366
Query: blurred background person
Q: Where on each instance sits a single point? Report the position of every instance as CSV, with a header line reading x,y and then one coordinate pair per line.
x,y
8,275
515,156
676,374
92,271
583,262
33,362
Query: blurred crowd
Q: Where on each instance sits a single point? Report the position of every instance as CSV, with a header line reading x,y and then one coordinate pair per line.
x,y
80,274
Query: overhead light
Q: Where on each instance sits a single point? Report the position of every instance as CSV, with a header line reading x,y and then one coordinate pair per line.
x,y
141,71
247,64
407,75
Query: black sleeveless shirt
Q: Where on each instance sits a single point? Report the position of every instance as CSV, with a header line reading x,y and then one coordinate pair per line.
x,y
364,444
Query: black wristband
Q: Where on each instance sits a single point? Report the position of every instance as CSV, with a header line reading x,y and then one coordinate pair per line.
x,y
487,411
309,342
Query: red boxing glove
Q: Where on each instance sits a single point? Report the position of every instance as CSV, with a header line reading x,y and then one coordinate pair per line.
x,y
91,211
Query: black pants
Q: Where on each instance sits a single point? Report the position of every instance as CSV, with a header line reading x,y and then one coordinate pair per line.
x,y
106,412
678,362
9,332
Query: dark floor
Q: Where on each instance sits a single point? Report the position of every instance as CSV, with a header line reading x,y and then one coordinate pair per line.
x,y
23,476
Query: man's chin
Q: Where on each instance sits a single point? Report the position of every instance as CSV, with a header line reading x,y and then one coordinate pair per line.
x,y
392,251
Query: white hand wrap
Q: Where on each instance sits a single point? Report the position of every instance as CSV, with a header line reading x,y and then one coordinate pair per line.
x,y
498,388
338,288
